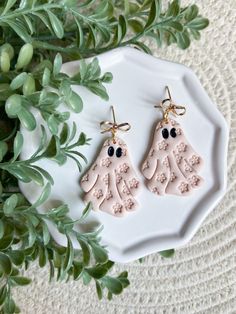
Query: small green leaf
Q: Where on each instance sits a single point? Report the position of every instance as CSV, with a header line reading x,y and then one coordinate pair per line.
x,y
46,77
17,146
75,102
10,204
69,255
57,64
112,284
183,40
3,294
25,56
56,24
21,281
46,234
3,149
98,89
5,264
27,119
18,81
64,134
43,196
85,250
13,105
97,272
167,253
17,257
99,290
99,253
153,13
9,4
198,23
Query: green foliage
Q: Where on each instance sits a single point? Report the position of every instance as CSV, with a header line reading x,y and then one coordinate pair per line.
x,y
45,34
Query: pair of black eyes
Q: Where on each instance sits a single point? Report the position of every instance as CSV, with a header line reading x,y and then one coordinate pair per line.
x,y
165,133
111,151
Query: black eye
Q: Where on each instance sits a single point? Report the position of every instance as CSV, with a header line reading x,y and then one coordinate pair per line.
x,y
119,152
165,133
173,132
110,151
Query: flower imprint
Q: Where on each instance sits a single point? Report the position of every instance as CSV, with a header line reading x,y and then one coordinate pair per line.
x,y
85,178
163,145
161,177
118,178
125,189
129,204
178,131
155,190
181,148
166,162
98,193
145,165
106,162
187,168
106,179
172,177
117,208
194,180
178,158
134,183
109,195
94,167
194,160
183,187
124,168
152,153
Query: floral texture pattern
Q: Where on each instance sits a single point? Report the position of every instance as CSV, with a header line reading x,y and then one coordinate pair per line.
x,y
172,166
112,185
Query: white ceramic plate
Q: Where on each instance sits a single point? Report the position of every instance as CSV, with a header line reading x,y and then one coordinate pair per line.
x,y
161,222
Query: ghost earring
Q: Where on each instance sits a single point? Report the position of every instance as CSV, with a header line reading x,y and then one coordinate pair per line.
x,y
171,166
111,183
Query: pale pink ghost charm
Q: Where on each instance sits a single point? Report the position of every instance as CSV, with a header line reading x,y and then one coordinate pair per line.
x,y
111,183
172,166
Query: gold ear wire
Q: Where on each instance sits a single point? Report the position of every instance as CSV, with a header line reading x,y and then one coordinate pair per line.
x,y
113,127
171,108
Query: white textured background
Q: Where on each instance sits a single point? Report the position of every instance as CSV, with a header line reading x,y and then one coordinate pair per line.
x,y
201,277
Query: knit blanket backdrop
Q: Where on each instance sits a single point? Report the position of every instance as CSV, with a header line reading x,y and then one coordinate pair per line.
x,y
201,277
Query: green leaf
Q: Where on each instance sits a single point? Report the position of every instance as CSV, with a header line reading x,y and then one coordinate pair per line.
x,y
21,281
10,204
153,13
112,284
17,146
46,234
100,254
17,257
33,174
64,134
56,24
27,119
13,105
3,149
46,77
99,290
69,255
198,23
191,12
98,89
167,253
5,264
43,196
75,102
97,272
9,4
85,250
77,270
18,81
3,294
1,229
53,147
57,64
183,40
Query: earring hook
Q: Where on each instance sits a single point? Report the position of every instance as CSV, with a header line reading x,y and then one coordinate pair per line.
x,y
176,110
113,127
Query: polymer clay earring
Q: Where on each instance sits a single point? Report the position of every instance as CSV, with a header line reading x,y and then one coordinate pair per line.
x,y
111,183
172,165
